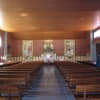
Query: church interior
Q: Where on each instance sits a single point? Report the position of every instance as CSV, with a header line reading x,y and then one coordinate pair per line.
x,y
49,49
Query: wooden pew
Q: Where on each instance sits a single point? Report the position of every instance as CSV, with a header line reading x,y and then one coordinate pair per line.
x,y
10,98
3,64
15,79
84,78
88,89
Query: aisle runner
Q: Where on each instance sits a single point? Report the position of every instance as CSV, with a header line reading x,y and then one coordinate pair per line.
x,y
49,85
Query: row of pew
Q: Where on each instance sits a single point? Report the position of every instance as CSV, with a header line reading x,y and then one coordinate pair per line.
x,y
87,63
83,80
15,79
2,64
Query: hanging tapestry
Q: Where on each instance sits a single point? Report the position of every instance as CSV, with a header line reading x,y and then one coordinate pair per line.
x,y
27,48
69,48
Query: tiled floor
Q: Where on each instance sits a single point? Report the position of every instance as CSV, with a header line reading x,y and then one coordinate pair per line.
x,y
49,85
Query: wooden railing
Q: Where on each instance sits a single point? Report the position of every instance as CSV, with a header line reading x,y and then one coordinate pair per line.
x,y
58,58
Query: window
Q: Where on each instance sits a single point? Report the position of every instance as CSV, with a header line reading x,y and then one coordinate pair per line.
x,y
97,34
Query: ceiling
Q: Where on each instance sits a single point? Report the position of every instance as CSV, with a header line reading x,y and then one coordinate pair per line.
x,y
49,19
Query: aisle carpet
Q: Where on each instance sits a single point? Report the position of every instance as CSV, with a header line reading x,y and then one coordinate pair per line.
x,y
48,85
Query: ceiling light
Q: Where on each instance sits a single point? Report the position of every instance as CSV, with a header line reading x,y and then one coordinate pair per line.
x,y
24,14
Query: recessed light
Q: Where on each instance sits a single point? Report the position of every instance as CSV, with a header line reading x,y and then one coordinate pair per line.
x,y
23,14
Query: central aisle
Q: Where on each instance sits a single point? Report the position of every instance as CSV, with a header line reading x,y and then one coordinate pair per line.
x,y
48,85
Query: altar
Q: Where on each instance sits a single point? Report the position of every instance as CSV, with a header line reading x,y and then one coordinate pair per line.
x,y
48,55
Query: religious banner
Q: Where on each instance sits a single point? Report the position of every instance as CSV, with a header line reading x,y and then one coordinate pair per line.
x,y
69,51
27,48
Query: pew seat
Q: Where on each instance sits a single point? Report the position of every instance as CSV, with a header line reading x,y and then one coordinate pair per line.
x,y
10,98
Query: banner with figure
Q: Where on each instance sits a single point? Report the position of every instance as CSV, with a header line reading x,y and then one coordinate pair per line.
x,y
69,48
27,48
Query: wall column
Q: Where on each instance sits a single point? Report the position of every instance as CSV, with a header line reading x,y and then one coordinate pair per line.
x,y
5,46
92,47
